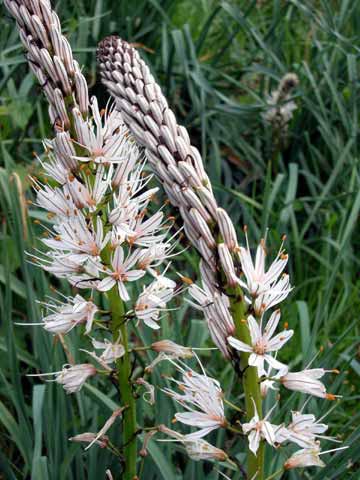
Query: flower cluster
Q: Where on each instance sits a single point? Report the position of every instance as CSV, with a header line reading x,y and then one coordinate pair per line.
x,y
101,234
265,289
105,231
202,397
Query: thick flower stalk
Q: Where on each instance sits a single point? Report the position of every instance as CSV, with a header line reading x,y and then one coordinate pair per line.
x,y
101,235
177,164
235,319
93,249
179,167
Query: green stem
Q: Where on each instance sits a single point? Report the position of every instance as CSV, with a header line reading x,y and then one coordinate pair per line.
x,y
123,366
250,379
233,406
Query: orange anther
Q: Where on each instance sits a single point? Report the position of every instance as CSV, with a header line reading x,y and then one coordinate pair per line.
x,y
330,396
186,280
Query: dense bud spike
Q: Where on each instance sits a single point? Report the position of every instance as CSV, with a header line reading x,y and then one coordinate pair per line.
x,y
50,58
176,162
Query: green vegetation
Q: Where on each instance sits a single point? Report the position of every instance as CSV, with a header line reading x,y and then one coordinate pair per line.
x,y
217,62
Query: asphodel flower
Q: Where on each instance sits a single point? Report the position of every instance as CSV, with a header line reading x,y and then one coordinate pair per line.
x,y
202,397
168,349
308,457
122,272
65,316
257,430
307,381
71,377
197,448
303,430
88,437
265,287
263,343
152,301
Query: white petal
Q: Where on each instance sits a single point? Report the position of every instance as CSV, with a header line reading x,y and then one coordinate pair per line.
x,y
123,292
118,259
254,441
275,364
254,328
276,269
134,275
196,419
106,284
279,340
260,260
239,345
247,265
151,323
200,433
272,324
268,432
256,360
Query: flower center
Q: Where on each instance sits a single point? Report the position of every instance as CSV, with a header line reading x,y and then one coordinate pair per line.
x,y
260,347
119,276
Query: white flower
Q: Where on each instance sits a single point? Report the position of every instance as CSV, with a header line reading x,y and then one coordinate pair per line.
x,y
155,255
66,316
126,168
76,268
265,386
104,136
258,429
202,397
78,192
197,448
308,457
264,287
200,449
79,237
303,430
262,344
60,264
147,232
307,381
111,351
122,273
280,115
55,201
130,203
168,349
89,194
273,296
281,108
153,300
73,377
100,438
172,349
53,166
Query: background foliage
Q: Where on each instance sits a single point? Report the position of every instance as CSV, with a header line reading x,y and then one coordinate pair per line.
x,y
217,62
